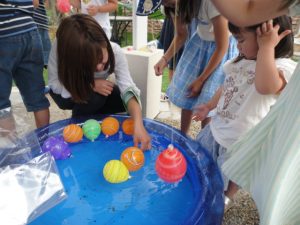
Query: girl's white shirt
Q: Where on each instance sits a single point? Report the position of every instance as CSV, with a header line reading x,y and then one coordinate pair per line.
x,y
102,18
240,106
205,27
123,78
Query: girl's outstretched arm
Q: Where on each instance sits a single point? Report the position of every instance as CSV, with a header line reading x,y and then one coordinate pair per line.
x,y
248,12
200,112
140,134
268,79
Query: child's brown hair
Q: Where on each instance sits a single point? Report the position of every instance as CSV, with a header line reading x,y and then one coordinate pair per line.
x,y
284,49
80,41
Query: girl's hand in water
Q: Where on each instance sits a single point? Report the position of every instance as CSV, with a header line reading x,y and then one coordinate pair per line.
x,y
141,136
103,87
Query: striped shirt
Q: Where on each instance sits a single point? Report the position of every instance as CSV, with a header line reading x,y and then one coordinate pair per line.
x,y
16,17
40,16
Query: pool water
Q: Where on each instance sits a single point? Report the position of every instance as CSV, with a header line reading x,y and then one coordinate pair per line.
x,y
144,199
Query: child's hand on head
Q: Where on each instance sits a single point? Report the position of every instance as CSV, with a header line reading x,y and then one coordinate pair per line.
x,y
268,36
200,112
103,87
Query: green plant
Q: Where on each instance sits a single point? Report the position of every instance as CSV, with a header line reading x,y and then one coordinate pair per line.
x,y
165,80
45,75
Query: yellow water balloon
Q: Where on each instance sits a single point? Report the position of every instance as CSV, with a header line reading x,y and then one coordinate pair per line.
x,y
115,171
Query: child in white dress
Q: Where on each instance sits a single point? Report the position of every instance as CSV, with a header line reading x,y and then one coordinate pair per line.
x,y
265,161
252,84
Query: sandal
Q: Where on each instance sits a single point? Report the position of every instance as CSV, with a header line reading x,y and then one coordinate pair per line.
x,y
164,97
228,203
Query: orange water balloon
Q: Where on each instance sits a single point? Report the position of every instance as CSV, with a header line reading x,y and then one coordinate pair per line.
x,y
133,158
127,126
72,133
110,126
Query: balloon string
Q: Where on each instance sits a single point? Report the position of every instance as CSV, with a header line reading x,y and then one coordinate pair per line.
x,y
174,65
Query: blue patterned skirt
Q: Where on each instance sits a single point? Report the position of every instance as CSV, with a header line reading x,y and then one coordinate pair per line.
x,y
195,57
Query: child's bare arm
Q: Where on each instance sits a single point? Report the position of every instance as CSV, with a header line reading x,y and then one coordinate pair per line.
x,y
111,6
75,4
213,102
201,111
268,79
35,3
248,12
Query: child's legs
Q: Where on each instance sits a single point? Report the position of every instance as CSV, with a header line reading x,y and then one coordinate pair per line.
x,y
207,140
9,52
42,117
46,43
114,103
28,76
7,122
231,190
62,103
186,118
205,122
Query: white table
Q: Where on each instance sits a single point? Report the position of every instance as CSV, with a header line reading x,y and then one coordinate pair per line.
x,y
119,26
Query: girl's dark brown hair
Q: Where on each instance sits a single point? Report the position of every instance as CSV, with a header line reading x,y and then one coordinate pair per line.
x,y
188,10
285,48
169,11
80,40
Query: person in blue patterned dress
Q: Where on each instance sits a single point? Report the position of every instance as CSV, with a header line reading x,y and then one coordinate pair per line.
x,y
199,71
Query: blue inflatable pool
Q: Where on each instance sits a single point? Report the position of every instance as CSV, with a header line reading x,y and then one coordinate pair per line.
x,y
142,200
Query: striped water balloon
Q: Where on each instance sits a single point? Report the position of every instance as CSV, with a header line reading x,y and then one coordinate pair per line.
x,y
72,133
171,165
115,171
133,158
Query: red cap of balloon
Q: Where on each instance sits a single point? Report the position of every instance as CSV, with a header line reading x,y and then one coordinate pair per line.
x,y
171,165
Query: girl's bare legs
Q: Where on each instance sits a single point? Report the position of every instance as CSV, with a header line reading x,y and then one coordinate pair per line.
x,y
205,122
7,125
186,118
231,190
42,117
171,72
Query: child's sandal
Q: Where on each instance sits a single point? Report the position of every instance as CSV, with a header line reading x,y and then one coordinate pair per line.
x,y
228,203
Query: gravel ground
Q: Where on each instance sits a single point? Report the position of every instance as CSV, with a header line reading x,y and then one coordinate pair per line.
x,y
241,212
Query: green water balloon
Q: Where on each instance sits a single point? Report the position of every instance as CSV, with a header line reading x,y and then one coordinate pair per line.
x,y
91,129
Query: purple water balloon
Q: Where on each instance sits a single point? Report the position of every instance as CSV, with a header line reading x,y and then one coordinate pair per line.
x,y
58,148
